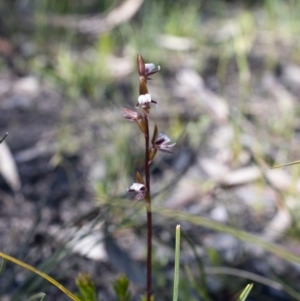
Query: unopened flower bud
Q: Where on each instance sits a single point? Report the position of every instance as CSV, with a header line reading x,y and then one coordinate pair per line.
x,y
141,65
130,114
152,154
142,125
133,115
154,136
145,70
139,178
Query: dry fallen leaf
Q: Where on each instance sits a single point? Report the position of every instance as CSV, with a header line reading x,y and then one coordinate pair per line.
x,y
8,168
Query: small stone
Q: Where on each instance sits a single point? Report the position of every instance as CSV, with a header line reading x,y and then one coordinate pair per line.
x,y
219,214
28,85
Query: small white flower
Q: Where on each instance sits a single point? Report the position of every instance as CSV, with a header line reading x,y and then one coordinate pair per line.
x,y
140,189
144,98
149,69
136,187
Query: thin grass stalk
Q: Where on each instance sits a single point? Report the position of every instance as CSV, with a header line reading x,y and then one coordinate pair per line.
x,y
2,266
38,296
243,296
177,259
203,289
286,164
279,286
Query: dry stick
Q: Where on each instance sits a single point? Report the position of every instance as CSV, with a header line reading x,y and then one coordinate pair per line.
x,y
149,213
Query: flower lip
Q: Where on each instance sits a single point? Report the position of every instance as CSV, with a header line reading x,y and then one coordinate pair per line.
x,y
162,139
149,67
161,143
140,189
145,99
137,187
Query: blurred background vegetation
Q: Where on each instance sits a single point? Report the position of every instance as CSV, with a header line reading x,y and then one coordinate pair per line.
x,y
228,94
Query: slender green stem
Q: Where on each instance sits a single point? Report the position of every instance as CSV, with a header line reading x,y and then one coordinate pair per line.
x,y
149,213
245,292
40,296
177,259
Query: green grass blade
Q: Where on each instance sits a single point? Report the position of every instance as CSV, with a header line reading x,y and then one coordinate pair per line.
x,y
245,292
2,266
286,164
280,286
239,234
177,259
40,273
203,292
216,226
38,296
